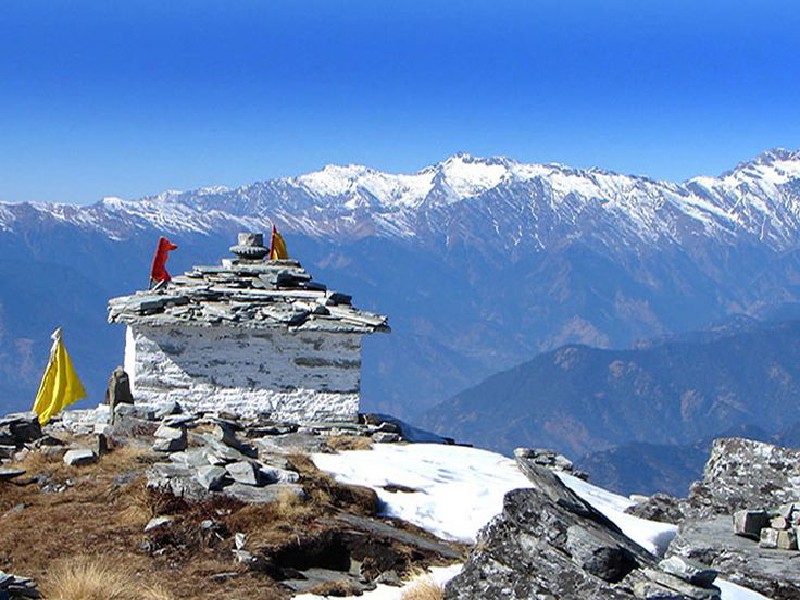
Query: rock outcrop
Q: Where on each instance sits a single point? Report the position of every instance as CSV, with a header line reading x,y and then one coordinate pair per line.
x,y
711,541
739,518
550,543
746,474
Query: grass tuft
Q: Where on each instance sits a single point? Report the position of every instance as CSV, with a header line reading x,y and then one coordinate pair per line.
x,y
86,578
424,588
340,443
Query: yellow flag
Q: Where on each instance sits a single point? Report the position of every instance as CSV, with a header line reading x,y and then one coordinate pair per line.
x,y
278,246
60,385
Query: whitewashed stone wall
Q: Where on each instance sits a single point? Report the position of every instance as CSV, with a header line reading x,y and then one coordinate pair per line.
x,y
299,377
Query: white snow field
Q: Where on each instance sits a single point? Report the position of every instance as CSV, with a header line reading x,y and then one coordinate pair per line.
x,y
460,489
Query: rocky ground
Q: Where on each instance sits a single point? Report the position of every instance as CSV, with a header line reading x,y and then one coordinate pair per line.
x,y
194,506
739,523
175,505
745,476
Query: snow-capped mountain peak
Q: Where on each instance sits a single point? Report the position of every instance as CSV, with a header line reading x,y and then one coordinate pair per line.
x,y
524,204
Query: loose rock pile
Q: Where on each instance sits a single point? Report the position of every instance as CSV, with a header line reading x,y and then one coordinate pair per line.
x,y
20,434
220,454
772,529
219,461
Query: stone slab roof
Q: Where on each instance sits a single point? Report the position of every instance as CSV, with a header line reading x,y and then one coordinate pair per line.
x,y
255,294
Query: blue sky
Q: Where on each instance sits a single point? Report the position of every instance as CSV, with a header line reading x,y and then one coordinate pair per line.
x,y
131,98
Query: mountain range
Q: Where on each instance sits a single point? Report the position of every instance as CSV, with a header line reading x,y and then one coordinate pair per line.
x,y
480,263
643,419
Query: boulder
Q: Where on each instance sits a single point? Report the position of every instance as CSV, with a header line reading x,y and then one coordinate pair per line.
x,y
787,539
80,456
225,433
689,570
749,523
119,389
271,474
131,421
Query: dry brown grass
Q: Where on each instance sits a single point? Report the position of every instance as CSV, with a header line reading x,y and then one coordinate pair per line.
x,y
142,504
86,578
423,588
102,510
103,514
339,443
330,495
271,524
337,589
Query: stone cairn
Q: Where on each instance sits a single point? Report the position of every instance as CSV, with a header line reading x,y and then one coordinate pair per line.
x,y
774,529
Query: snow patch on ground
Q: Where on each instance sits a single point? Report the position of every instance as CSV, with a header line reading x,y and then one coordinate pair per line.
x,y
460,489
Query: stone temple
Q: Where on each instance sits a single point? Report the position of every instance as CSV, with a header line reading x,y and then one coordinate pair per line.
x,y
254,336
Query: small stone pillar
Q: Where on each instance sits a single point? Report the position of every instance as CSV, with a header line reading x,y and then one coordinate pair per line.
x,y
119,390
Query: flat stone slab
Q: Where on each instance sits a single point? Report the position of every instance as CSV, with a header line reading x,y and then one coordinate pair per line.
x,y
211,477
158,522
381,529
316,577
7,474
245,472
262,495
80,456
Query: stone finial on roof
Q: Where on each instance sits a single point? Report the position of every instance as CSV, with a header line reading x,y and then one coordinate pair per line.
x,y
250,246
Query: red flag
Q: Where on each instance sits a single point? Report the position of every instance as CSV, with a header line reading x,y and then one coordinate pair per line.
x,y
158,272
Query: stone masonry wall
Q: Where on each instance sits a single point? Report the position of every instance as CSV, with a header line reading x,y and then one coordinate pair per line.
x,y
297,377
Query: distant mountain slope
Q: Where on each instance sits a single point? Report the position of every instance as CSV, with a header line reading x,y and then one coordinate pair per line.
x,y
480,263
642,468
579,400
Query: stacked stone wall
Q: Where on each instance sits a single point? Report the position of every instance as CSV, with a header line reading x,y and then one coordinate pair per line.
x,y
295,376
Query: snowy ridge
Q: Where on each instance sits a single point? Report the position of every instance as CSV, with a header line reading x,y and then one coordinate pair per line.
x,y
533,205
